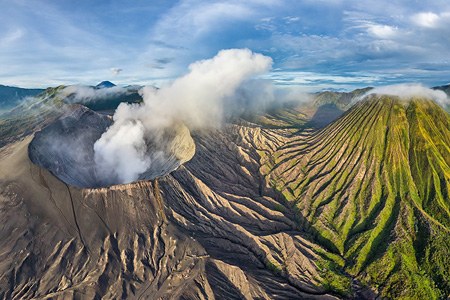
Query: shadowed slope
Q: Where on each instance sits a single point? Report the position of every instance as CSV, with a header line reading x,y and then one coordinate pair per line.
x,y
222,200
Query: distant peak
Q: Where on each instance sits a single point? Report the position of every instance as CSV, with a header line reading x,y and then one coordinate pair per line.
x,y
105,84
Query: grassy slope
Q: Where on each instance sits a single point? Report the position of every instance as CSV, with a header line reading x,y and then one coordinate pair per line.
x,y
375,185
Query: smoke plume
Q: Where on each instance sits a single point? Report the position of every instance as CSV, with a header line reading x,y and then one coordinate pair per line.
x,y
211,90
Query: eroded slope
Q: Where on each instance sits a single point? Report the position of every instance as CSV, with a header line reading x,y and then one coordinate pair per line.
x,y
212,229
375,186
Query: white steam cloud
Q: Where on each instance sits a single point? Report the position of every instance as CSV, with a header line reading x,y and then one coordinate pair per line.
x,y
202,98
407,91
83,94
122,150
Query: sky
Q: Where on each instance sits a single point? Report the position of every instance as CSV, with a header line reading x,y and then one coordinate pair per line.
x,y
316,44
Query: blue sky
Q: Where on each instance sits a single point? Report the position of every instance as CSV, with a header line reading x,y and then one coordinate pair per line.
x,y
314,43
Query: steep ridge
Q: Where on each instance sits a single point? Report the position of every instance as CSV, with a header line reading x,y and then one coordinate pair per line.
x,y
375,186
219,197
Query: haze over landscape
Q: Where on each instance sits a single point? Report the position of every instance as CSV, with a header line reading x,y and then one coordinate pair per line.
x,y
225,149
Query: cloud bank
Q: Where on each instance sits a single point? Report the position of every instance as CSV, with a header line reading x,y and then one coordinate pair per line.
x,y
407,91
84,94
212,89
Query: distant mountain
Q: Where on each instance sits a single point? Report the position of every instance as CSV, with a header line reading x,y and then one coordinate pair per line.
x,y
342,100
105,84
10,96
444,88
325,107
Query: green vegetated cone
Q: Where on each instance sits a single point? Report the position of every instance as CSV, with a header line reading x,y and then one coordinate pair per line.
x,y
374,187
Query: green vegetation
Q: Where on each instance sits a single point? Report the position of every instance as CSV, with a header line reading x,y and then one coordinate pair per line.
x,y
273,268
375,186
334,279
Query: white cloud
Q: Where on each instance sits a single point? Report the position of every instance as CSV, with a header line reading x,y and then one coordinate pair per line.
x,y
408,91
192,28
291,19
82,94
426,19
116,71
189,21
382,31
312,81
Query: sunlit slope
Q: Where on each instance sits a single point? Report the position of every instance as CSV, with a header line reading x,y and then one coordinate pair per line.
x,y
374,185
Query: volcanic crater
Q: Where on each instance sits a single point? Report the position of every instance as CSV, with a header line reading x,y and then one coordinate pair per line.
x,y
66,149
